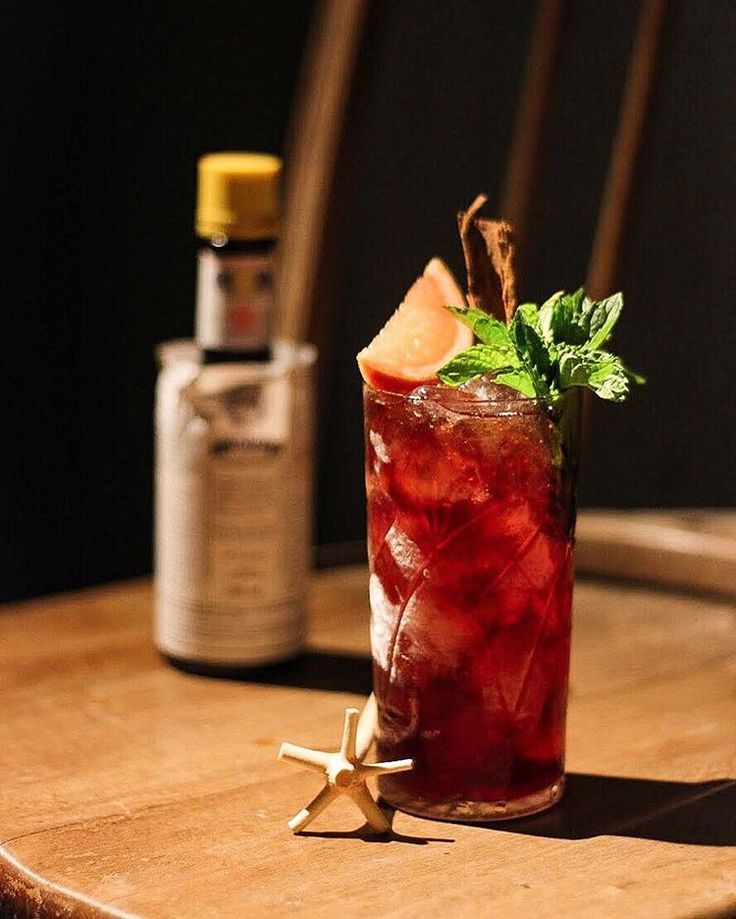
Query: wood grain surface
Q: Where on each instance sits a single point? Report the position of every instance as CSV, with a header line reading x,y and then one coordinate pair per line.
x,y
131,788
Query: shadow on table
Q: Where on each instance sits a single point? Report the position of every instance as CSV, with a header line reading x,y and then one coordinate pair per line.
x,y
312,670
365,834
693,813
697,813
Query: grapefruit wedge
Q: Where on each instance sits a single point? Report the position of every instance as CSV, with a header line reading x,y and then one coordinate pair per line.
x,y
420,337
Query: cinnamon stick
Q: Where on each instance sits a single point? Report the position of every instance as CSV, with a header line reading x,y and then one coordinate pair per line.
x,y
490,252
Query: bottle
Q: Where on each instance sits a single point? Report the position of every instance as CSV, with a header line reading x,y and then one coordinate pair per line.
x,y
234,431
237,223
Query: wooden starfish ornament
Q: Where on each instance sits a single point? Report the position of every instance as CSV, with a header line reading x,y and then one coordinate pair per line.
x,y
344,771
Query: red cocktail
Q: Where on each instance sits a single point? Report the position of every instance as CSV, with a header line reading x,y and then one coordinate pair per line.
x,y
471,519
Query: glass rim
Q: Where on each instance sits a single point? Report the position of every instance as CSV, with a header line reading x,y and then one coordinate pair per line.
x,y
508,405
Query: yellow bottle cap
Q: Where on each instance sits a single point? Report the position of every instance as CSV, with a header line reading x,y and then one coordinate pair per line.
x,y
238,195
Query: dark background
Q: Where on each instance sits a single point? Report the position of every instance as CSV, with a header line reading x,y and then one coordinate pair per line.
x,y
106,108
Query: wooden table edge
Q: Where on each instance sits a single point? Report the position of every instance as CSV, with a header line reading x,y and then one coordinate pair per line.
x,y
25,892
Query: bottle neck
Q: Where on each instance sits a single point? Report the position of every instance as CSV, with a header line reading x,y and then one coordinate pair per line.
x,y
235,305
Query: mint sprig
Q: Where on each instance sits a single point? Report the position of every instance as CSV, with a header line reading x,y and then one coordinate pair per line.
x,y
547,349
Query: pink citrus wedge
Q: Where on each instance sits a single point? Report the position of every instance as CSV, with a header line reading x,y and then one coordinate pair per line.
x,y
420,337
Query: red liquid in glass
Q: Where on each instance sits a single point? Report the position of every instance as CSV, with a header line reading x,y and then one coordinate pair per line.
x,y
470,534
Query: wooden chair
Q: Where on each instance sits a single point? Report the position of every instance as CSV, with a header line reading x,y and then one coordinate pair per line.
x,y
693,549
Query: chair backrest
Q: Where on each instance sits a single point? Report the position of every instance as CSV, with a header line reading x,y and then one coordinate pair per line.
x,y
342,29
317,127
315,131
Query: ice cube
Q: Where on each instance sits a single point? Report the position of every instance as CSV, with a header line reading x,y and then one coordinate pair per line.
x,y
428,392
480,396
431,402
437,634
486,389
405,552
383,621
380,449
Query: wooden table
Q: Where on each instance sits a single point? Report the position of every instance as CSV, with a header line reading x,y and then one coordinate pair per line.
x,y
131,788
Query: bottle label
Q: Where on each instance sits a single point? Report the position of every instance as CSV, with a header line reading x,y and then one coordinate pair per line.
x,y
233,514
234,301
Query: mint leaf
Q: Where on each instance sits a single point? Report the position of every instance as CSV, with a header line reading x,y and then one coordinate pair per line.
x,y
529,313
518,379
488,329
546,312
569,323
545,350
529,342
601,371
603,318
476,361
481,359
497,353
